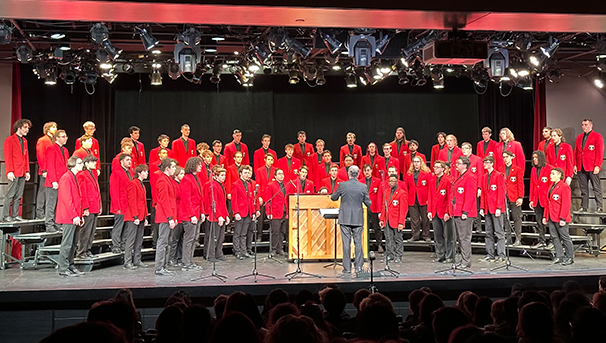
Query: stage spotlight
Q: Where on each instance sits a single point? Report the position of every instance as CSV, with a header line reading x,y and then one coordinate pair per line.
x,y
51,77
523,72
351,80
600,81
525,83
102,56
173,70
65,47
113,52
534,60
6,34
297,46
310,71
362,49
110,76
58,35
244,77
293,76
148,40
261,54
600,48
438,78
497,62
187,60
331,59
386,67
253,68
39,70
216,73
402,77
156,78
523,42
24,54
128,68
551,47
382,44
332,44
90,78
198,74
191,36
275,39
99,33
69,77
320,79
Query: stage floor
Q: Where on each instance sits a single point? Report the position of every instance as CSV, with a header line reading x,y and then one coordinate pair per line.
x,y
43,288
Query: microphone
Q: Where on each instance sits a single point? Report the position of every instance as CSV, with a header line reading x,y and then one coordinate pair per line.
x,y
257,187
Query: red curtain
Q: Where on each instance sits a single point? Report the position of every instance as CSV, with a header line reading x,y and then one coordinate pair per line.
x,y
540,112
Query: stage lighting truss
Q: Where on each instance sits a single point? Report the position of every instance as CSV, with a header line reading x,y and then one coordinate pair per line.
x,y
551,47
403,76
525,83
296,46
69,76
173,70
243,76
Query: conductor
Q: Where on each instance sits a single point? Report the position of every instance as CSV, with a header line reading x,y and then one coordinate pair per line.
x,y
351,217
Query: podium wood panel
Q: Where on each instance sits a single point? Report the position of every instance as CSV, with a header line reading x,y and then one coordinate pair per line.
x,y
317,234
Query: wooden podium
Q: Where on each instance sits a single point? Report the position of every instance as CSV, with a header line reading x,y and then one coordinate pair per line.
x,y
317,234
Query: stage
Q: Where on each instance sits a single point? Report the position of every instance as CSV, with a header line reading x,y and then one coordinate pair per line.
x,y
44,289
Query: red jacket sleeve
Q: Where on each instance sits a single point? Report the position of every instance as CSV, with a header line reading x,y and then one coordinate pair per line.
x,y
403,207
566,199
82,184
470,196
500,191
132,200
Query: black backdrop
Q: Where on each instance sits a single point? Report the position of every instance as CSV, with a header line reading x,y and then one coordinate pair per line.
x,y
275,107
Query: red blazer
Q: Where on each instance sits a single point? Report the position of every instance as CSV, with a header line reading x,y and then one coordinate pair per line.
x,y
230,150
420,190
179,152
259,158
464,192
69,200
153,178
43,143
15,159
310,187
456,153
279,204
221,160
117,166
82,153
397,207
219,197
138,154
357,155
592,154
191,197
544,145
137,201
153,156
376,167
558,206
321,173
373,193
514,183
493,194
435,153
400,154
303,155
515,147
262,180
243,201
439,196
56,164
476,167
564,159
94,149
89,190
342,174
166,199
408,161
326,183
231,176
290,171
206,173
118,185
539,186
492,146
393,162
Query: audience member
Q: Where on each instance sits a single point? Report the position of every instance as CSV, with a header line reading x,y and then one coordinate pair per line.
x,y
89,332
589,325
295,329
235,327
448,319
280,311
196,324
481,313
168,324
536,324
599,301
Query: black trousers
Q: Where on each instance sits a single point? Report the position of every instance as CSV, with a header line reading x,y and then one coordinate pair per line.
x,y
278,232
538,213
373,222
419,222
515,215
584,178
13,197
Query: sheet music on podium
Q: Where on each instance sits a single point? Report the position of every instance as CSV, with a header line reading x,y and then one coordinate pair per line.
x,y
329,213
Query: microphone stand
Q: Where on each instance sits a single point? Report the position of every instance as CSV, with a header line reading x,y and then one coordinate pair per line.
x,y
213,229
299,271
454,268
507,238
387,267
270,255
254,272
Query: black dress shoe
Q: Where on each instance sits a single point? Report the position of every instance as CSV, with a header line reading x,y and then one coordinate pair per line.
x,y
567,262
